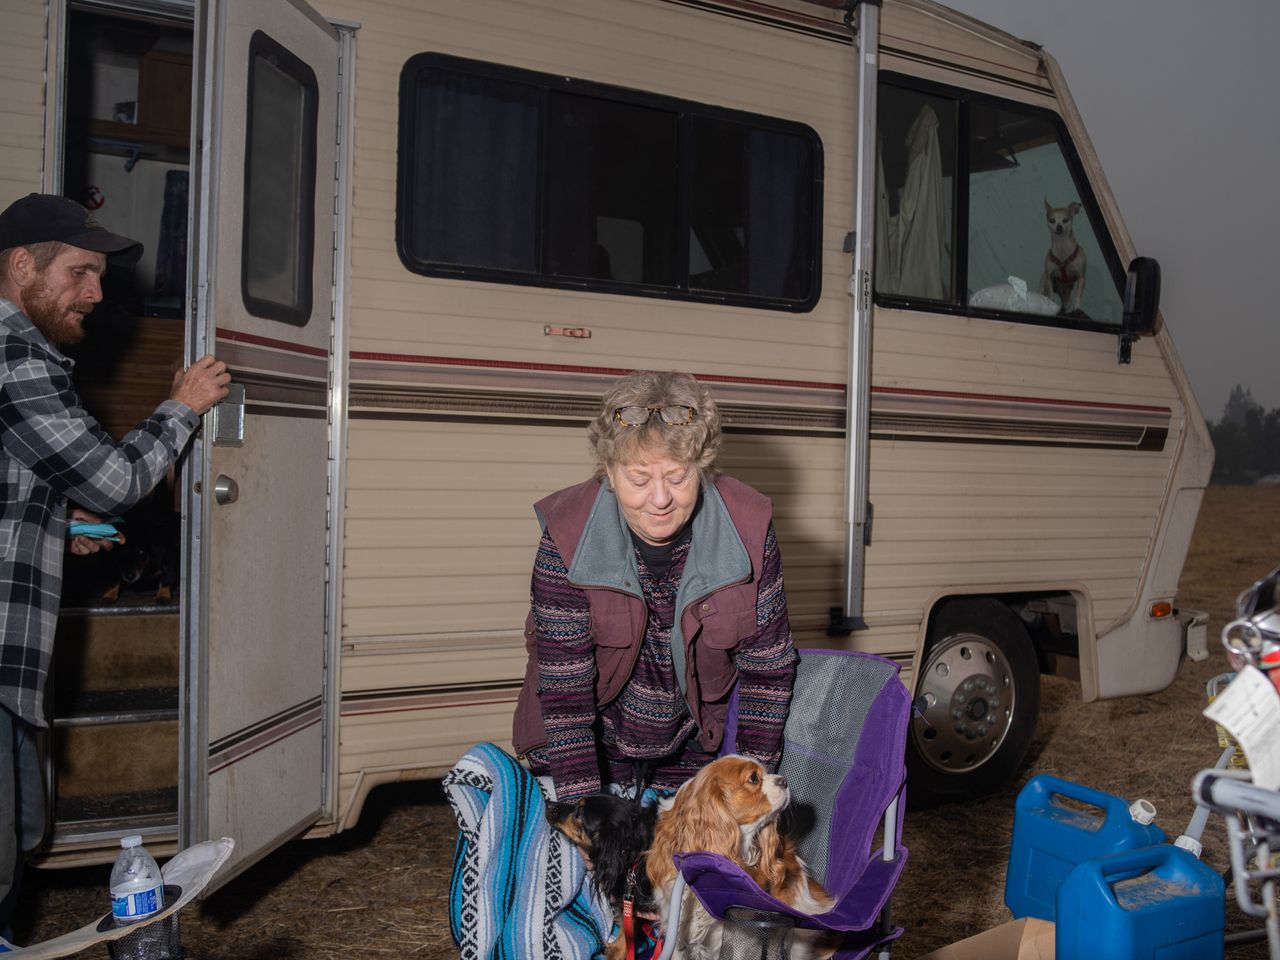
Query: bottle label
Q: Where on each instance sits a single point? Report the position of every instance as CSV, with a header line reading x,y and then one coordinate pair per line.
x,y
135,906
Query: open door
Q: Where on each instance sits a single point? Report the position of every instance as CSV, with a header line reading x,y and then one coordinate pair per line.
x,y
256,639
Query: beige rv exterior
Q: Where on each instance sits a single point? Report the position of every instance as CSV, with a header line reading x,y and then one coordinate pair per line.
x,y
1007,459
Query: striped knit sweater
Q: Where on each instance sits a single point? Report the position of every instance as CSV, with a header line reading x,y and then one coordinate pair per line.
x,y
649,719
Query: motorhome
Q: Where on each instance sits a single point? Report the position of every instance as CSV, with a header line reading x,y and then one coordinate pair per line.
x,y
426,236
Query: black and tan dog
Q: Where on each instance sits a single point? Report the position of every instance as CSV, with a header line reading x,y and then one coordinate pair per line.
x,y
613,834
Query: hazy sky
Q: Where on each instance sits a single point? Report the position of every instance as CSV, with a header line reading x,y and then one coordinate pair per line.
x,y
1182,102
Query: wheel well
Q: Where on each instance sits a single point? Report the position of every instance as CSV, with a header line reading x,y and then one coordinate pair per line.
x,y
1050,618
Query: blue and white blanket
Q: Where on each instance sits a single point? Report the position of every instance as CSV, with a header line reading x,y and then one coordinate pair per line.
x,y
520,890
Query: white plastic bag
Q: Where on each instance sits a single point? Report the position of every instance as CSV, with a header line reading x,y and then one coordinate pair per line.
x,y
1014,297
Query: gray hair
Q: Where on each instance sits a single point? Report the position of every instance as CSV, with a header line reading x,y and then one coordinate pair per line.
x,y
695,443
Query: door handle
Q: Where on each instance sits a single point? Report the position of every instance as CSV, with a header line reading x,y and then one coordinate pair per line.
x,y
228,418
225,490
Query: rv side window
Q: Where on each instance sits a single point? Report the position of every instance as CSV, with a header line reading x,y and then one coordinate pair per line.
x,y
279,184
519,177
750,223
611,188
989,193
475,144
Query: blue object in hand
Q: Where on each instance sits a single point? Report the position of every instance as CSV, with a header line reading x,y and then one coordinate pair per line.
x,y
96,531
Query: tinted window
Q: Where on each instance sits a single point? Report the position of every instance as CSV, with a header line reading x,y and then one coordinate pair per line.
x,y
520,177
750,210
279,190
612,190
475,157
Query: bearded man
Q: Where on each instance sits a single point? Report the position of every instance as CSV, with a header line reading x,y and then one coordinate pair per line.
x,y
55,459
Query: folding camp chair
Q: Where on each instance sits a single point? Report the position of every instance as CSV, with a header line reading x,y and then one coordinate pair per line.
x,y
844,760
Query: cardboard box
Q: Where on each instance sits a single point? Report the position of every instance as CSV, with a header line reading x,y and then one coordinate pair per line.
x,y
1025,939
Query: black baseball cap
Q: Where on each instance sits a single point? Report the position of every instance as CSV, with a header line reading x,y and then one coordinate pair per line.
x,y
39,217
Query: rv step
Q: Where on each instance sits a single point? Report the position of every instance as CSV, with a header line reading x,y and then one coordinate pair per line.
x,y
93,707
104,760
87,812
102,653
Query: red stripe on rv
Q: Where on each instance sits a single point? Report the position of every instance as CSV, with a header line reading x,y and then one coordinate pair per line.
x,y
239,336
754,381
573,368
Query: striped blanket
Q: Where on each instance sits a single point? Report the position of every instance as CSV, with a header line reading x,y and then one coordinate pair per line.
x,y
520,889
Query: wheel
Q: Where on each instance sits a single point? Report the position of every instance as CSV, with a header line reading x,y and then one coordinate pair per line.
x,y
979,689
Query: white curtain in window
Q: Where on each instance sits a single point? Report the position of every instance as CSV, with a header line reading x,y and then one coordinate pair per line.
x,y
911,246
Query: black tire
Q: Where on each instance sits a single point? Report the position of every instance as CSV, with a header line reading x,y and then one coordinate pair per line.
x,y
979,687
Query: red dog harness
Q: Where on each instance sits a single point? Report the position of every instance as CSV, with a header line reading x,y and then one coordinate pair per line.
x,y
1063,276
653,941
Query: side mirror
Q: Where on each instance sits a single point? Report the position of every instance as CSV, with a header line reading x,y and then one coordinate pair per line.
x,y
1141,303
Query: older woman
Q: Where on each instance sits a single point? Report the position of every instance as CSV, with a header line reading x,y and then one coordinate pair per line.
x,y
657,586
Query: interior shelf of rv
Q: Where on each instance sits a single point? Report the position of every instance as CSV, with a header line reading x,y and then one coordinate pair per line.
x,y
157,124
133,140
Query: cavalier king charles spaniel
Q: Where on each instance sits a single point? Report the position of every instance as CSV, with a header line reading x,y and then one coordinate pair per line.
x,y
731,807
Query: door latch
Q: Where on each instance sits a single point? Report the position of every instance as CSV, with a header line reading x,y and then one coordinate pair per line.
x,y
228,418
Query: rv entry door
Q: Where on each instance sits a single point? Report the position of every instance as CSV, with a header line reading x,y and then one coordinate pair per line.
x,y
255,637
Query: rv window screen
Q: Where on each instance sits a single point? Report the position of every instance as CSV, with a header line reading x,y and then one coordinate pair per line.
x,y
512,176
983,209
279,184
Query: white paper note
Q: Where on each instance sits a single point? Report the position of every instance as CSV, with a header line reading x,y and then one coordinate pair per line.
x,y
1249,709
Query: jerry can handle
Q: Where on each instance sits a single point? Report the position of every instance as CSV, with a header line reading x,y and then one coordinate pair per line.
x,y
1047,786
1112,869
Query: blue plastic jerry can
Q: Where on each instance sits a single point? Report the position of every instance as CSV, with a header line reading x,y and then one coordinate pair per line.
x,y
1156,903
1056,825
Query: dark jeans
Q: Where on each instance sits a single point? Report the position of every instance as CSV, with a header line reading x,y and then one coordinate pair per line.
x,y
21,806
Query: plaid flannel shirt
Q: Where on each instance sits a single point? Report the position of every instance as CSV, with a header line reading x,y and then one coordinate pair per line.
x,y
52,452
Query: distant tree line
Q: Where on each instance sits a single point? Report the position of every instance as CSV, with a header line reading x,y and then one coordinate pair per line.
x,y
1246,441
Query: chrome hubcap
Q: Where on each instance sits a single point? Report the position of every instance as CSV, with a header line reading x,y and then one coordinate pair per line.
x,y
968,694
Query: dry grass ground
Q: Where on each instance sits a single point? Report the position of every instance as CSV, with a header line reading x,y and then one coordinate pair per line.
x,y
380,890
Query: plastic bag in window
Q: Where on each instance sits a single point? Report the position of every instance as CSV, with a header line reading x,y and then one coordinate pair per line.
x,y
1013,297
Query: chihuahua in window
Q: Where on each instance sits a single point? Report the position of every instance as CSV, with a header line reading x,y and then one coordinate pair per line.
x,y
1064,261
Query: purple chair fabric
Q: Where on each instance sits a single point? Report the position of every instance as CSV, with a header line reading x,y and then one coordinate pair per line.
x,y
844,759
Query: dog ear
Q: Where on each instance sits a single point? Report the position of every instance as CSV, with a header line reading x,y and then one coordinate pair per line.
x,y
610,862
698,819
1074,207
770,868
703,817
631,837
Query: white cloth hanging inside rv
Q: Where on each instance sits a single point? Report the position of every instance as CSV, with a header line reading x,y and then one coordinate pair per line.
x,y
911,245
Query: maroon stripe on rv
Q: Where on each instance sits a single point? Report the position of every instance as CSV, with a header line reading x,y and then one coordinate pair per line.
x,y
1040,85
411,699
573,368
828,29
1015,398
406,705
420,359
239,336
770,15
244,743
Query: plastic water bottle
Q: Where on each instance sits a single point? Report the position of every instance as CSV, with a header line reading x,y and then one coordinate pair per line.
x,y
137,888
